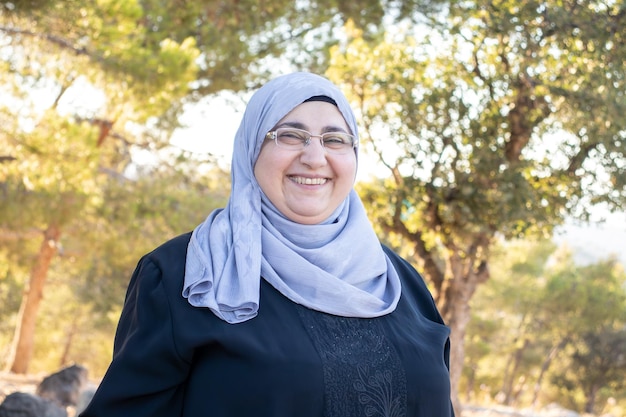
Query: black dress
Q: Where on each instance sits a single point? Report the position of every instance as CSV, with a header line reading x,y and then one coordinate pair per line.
x,y
172,359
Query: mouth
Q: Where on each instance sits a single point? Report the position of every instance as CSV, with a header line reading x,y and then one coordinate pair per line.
x,y
309,181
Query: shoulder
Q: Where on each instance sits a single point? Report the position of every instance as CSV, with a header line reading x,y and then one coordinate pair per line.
x,y
176,247
166,263
403,267
414,288
170,255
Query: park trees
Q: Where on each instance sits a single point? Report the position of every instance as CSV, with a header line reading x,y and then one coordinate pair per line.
x,y
496,120
77,97
601,364
547,329
85,84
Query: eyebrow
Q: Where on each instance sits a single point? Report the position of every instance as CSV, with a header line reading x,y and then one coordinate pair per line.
x,y
301,126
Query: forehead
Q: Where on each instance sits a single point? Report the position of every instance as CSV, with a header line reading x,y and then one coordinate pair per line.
x,y
315,114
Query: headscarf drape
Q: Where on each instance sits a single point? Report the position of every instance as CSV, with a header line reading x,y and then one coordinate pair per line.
x,y
337,267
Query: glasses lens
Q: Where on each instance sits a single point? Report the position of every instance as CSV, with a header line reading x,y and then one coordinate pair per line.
x,y
292,138
298,139
338,142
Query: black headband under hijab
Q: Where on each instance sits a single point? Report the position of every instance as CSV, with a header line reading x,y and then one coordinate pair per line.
x,y
321,98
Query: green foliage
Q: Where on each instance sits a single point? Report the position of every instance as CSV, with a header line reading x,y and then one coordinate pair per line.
x,y
239,43
11,284
600,364
452,129
495,119
99,251
465,126
82,91
84,86
547,330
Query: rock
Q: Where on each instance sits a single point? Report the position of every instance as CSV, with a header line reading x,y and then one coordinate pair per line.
x,y
22,404
84,398
64,387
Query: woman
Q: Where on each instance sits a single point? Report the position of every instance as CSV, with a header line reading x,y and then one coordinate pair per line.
x,y
284,303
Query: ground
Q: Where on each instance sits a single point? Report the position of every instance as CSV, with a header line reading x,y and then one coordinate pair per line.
x,y
10,383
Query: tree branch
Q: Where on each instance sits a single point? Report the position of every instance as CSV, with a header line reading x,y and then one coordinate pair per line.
x,y
63,43
7,235
578,159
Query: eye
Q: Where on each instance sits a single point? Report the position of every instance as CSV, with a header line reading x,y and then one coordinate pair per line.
x,y
337,140
291,136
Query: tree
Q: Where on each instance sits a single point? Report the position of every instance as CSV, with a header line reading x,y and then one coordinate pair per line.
x,y
600,363
586,305
500,119
544,306
57,160
87,83
511,302
241,43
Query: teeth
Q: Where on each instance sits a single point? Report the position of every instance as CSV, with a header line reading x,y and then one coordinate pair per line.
x,y
309,181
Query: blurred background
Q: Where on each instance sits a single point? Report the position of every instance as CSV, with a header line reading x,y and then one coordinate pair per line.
x,y
492,156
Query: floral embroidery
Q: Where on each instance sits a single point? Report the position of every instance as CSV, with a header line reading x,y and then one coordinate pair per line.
x,y
376,392
363,375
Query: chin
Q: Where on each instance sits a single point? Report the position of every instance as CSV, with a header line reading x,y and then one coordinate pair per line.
x,y
307,219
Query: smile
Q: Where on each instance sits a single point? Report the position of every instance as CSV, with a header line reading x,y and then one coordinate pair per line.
x,y
309,181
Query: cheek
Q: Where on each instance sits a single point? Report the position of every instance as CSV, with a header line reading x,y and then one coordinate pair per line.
x,y
260,173
266,170
347,168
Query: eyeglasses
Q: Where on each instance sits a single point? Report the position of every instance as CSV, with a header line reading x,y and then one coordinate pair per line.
x,y
298,139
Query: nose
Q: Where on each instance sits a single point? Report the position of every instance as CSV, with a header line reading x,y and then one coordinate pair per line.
x,y
314,154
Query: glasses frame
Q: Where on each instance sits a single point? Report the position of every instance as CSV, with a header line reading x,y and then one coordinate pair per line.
x,y
273,135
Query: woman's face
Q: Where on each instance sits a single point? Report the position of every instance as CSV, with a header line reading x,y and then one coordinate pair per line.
x,y
307,185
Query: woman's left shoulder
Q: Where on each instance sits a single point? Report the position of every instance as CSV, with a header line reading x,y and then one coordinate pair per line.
x,y
404,268
414,287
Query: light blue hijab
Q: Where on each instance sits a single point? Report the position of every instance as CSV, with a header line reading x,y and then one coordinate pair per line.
x,y
337,267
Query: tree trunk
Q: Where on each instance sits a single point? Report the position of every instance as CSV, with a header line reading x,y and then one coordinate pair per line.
x,y
23,341
68,342
509,381
465,269
465,278
544,368
457,319
471,388
590,404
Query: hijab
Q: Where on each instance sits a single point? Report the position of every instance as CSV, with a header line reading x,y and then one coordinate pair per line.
x,y
337,266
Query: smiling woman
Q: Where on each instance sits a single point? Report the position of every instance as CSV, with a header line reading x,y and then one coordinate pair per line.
x,y
307,183
283,303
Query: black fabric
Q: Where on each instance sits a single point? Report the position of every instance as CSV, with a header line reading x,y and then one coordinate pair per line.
x,y
173,359
325,99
